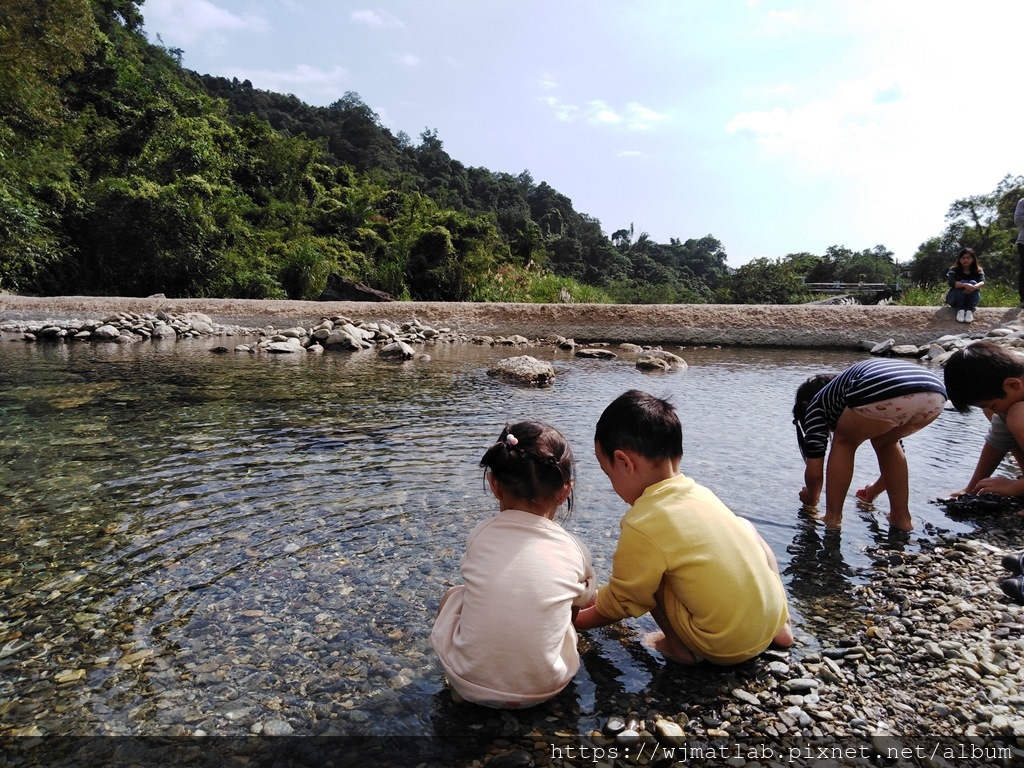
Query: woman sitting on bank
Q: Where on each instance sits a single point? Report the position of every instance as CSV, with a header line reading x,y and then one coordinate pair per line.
x,y
965,278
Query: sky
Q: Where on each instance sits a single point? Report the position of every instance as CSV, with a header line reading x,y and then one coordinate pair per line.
x,y
777,127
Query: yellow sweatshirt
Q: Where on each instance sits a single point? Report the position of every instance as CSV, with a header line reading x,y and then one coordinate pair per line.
x,y
725,601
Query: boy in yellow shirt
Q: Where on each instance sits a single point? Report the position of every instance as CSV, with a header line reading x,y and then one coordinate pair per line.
x,y
707,578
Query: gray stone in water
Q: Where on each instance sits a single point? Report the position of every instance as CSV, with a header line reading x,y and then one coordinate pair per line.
x,y
106,333
278,728
615,725
905,350
801,685
514,341
669,732
524,370
674,361
604,354
284,347
356,333
883,347
746,696
648,363
339,338
628,738
397,350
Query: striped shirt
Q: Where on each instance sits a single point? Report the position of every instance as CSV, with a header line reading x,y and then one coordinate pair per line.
x,y
870,381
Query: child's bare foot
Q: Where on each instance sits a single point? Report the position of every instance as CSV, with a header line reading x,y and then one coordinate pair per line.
x,y
784,638
866,494
833,521
676,652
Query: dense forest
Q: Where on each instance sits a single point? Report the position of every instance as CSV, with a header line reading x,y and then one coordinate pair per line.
x,y
122,173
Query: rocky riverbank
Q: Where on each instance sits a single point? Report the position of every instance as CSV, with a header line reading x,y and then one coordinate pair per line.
x,y
755,325
920,664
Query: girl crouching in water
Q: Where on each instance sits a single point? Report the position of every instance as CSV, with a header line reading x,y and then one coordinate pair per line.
x,y
505,637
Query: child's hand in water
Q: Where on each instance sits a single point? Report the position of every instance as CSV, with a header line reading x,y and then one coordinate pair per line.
x,y
806,498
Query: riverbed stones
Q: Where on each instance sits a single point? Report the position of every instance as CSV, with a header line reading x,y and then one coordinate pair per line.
x,y
524,370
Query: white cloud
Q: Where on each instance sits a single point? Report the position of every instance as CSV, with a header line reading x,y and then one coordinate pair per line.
x,y
783,18
600,113
187,21
376,18
547,82
635,117
409,60
310,84
631,153
641,118
861,124
564,113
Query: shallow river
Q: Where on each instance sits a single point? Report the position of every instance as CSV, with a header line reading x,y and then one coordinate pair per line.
x,y
200,543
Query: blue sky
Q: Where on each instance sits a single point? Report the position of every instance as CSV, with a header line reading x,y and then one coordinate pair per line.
x,y
776,127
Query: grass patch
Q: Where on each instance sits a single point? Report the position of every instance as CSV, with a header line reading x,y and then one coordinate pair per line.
x,y
533,285
992,295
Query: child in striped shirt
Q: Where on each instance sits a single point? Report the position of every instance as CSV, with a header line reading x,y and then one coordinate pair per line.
x,y
878,400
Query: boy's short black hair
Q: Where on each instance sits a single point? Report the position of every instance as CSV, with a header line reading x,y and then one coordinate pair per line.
x,y
977,372
643,423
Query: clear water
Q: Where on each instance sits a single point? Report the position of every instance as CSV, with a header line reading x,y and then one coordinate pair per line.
x,y
199,542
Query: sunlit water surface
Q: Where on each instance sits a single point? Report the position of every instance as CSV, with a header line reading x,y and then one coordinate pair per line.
x,y
192,542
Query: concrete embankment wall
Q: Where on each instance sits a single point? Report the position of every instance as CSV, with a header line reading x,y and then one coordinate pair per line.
x,y
686,324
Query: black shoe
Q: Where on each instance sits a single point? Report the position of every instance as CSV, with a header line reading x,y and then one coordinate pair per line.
x,y
1014,563
1013,588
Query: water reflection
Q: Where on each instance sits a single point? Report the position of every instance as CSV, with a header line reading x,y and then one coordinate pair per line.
x,y
198,543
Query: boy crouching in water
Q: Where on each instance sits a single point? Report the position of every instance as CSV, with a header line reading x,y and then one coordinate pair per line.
x,y
709,580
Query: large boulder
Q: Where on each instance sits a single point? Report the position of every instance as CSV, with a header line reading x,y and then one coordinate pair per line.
x,y
524,371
